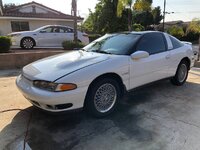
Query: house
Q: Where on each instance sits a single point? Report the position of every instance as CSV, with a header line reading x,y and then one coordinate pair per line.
x,y
30,16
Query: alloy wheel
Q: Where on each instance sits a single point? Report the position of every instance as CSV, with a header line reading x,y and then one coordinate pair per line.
x,y
105,97
182,72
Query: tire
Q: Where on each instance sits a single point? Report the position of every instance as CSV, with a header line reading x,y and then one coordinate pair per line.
x,y
27,43
101,93
181,73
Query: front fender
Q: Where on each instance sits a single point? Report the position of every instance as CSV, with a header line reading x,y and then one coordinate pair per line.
x,y
84,77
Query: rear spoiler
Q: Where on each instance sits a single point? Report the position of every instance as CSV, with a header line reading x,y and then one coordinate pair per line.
x,y
195,51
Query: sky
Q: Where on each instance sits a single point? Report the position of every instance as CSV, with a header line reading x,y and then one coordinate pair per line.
x,y
185,10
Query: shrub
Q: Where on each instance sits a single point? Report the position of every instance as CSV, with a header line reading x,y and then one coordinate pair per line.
x,y
5,44
70,45
193,31
176,31
190,36
138,27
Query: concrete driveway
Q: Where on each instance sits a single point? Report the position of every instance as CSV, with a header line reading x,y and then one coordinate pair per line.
x,y
158,117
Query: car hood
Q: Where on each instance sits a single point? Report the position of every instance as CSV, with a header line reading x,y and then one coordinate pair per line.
x,y
54,67
22,32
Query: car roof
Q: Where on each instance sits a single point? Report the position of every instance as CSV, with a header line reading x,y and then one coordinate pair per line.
x,y
57,26
137,32
144,32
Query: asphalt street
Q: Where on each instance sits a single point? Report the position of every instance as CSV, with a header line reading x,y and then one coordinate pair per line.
x,y
157,117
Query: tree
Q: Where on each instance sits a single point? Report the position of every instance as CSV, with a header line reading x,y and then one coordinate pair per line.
x,y
144,18
145,14
142,5
104,19
122,5
157,17
113,16
9,5
88,25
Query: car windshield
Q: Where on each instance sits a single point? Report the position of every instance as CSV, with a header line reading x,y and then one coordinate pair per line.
x,y
118,44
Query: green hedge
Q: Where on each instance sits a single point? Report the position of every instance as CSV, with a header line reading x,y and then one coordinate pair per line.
x,y
70,45
190,37
5,44
138,27
176,31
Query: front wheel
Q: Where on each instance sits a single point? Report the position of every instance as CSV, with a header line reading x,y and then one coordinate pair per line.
x,y
27,43
102,97
181,74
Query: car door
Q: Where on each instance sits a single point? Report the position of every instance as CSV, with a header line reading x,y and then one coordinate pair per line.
x,y
70,34
47,37
177,52
154,67
64,35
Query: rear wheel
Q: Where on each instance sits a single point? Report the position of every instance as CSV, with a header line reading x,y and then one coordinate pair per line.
x,y
27,43
102,97
181,73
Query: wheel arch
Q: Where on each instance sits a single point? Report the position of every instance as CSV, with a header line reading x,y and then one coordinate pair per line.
x,y
187,60
28,37
114,76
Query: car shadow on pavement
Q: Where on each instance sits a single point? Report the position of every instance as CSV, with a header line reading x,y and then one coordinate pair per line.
x,y
80,131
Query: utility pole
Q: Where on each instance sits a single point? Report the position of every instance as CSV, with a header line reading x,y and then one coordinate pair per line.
x,y
74,11
128,7
1,8
164,12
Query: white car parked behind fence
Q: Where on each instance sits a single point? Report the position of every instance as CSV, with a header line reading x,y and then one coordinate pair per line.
x,y
46,36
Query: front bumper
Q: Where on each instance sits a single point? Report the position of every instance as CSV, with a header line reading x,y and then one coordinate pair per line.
x,y
51,101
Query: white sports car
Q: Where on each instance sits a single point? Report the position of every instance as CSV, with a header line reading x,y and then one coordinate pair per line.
x,y
46,36
96,77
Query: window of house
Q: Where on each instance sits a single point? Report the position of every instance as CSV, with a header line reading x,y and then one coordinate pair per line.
x,y
19,26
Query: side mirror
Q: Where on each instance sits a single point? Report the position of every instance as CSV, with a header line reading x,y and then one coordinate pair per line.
x,y
43,31
139,54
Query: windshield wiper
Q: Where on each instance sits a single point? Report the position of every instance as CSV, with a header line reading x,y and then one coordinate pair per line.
x,y
100,51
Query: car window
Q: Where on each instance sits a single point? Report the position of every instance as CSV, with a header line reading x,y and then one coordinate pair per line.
x,y
62,30
69,30
48,29
56,30
119,44
175,42
152,43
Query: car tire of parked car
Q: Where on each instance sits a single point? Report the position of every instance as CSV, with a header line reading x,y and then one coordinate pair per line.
x,y
102,97
27,43
181,73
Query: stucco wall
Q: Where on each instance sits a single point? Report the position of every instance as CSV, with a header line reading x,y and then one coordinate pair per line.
x,y
19,60
5,25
